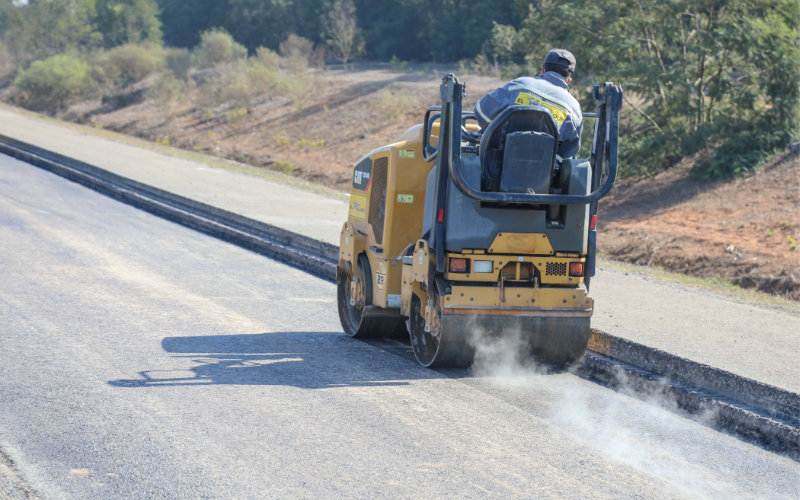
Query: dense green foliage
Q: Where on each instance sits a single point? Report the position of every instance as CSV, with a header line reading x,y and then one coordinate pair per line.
x,y
129,63
51,83
42,28
439,30
718,77
719,73
253,23
217,46
128,21
39,28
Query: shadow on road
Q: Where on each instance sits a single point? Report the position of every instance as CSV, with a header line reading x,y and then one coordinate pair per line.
x,y
310,360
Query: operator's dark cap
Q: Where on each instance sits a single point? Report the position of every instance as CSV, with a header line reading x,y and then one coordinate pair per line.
x,y
561,57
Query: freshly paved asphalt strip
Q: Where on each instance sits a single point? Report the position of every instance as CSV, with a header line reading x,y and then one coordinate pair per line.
x,y
753,341
142,359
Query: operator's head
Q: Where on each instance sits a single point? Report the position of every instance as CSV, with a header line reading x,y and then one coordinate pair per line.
x,y
561,61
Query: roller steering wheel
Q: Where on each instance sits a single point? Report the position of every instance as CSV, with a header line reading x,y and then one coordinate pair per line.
x,y
471,136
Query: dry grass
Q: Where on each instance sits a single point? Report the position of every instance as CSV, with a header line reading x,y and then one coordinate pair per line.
x,y
393,104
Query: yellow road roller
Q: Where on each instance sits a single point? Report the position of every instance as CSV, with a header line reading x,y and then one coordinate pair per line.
x,y
432,249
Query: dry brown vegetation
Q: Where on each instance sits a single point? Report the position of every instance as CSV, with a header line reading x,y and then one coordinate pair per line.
x,y
312,122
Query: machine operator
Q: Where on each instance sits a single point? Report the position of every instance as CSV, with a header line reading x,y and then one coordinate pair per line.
x,y
550,90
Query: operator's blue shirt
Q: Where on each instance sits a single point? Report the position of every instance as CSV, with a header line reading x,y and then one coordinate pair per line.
x,y
549,90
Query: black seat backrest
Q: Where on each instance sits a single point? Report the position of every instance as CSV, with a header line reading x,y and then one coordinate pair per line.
x,y
518,150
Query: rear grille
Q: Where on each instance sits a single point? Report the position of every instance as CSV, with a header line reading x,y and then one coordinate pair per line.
x,y
556,269
377,197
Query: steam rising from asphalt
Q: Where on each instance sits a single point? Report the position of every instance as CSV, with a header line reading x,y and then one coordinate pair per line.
x,y
634,433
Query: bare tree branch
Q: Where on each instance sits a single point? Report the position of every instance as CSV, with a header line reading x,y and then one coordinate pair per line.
x,y
642,113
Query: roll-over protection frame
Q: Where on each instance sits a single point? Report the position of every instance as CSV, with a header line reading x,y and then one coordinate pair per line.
x,y
448,154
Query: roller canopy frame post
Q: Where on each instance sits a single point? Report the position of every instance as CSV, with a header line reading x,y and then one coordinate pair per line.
x,y
448,152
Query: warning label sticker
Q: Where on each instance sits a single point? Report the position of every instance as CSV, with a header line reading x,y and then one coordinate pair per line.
x,y
406,153
405,198
380,280
358,206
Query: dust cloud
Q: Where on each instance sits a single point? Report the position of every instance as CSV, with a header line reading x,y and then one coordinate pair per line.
x,y
502,357
646,431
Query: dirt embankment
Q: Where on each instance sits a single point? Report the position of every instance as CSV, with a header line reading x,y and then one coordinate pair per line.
x,y
746,230
318,137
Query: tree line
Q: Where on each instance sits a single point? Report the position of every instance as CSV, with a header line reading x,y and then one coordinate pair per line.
x,y
713,76
422,30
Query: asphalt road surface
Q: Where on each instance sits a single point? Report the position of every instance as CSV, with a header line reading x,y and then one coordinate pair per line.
x,y
141,359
